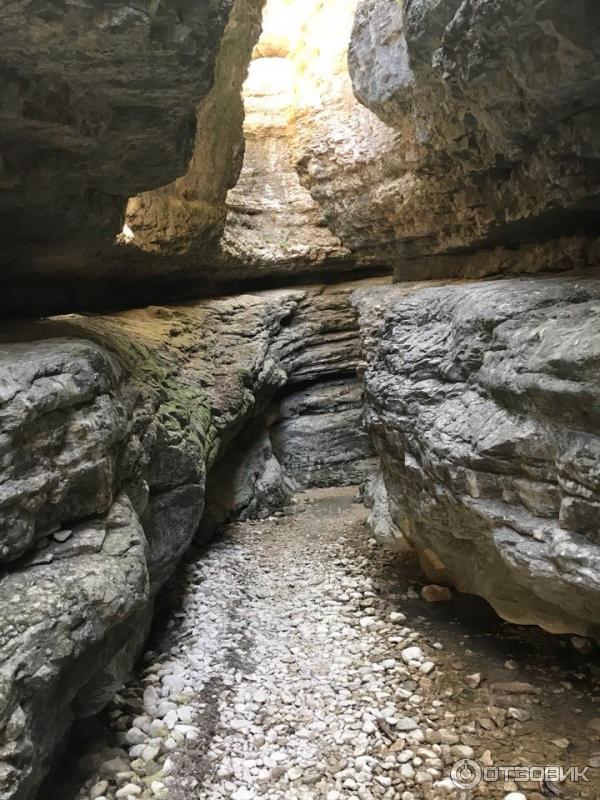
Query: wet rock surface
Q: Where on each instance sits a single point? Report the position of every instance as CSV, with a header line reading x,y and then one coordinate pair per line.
x,y
322,674
481,399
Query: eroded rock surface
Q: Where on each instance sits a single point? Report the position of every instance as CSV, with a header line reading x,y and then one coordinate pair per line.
x,y
274,226
99,102
305,665
319,437
106,445
184,217
110,427
434,139
482,400
492,102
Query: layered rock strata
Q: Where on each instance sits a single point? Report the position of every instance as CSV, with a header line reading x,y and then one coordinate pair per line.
x,y
319,438
274,226
107,442
491,104
317,432
435,139
184,217
110,427
462,142
482,402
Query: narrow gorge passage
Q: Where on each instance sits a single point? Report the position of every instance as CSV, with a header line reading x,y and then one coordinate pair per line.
x,y
299,399
294,658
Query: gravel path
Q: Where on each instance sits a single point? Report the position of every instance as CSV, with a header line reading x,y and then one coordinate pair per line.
x,y
286,672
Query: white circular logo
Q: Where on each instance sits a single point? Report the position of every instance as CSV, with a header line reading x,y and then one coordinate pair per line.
x,y
466,774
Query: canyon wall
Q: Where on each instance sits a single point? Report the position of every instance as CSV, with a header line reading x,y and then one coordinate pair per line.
x,y
101,102
432,139
109,426
493,102
273,225
455,138
119,433
482,400
184,217
480,397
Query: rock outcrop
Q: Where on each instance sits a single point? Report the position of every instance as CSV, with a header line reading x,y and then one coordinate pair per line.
x,y
274,226
106,444
117,432
183,218
100,102
463,142
491,104
319,437
435,139
482,400
317,432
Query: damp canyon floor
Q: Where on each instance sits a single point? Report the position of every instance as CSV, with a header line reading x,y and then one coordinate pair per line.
x,y
294,658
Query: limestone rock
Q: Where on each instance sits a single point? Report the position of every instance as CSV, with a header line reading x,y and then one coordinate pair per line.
x,y
319,437
119,431
316,428
274,226
380,519
101,101
110,426
70,629
482,402
249,482
188,214
502,147
65,422
436,594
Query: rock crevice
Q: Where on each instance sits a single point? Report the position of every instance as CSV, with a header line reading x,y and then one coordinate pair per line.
x,y
124,436
432,139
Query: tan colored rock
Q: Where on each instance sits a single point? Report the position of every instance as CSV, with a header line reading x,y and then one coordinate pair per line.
x,y
436,594
274,226
184,216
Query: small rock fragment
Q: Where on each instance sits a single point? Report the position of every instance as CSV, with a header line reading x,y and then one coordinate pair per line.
x,y
436,594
